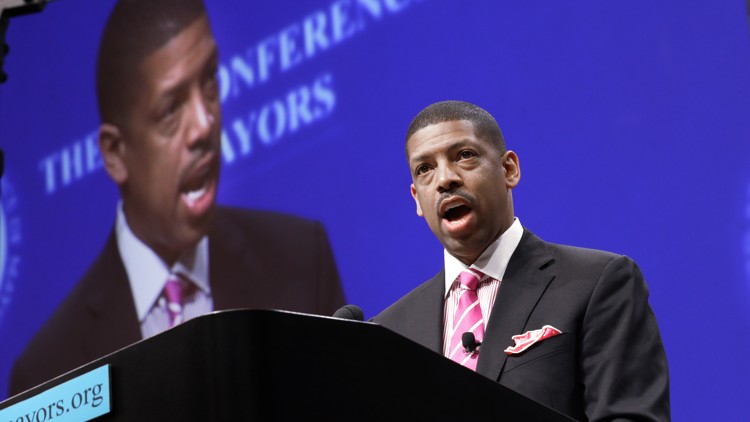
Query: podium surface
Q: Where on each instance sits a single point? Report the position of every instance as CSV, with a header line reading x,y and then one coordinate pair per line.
x,y
274,365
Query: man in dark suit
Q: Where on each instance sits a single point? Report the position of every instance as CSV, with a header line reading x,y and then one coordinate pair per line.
x,y
569,327
160,142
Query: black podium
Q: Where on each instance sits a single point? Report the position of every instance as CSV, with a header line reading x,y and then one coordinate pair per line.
x,y
274,365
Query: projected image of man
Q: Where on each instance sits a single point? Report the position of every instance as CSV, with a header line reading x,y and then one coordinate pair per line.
x,y
160,140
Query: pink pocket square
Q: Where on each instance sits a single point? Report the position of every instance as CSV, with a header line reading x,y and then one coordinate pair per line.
x,y
525,340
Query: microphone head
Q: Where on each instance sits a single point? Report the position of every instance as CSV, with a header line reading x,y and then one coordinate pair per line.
x,y
352,312
469,342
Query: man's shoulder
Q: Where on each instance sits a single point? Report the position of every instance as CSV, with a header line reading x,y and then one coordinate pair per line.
x,y
265,233
583,253
413,301
74,308
567,261
250,217
570,253
74,330
64,323
62,334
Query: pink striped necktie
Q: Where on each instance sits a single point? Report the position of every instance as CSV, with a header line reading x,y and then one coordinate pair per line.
x,y
175,292
467,319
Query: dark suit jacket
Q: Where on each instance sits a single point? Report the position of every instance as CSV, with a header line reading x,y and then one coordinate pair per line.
x,y
257,259
609,361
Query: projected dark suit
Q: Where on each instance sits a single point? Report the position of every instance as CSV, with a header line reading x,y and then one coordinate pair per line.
x,y
609,358
257,260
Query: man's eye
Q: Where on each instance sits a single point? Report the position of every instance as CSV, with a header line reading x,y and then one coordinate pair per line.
x,y
170,111
466,154
169,118
422,169
211,87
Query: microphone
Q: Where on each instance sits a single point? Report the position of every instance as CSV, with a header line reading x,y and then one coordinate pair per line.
x,y
352,312
471,345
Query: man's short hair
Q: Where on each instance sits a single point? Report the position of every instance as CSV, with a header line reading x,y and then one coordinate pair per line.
x,y
134,30
485,126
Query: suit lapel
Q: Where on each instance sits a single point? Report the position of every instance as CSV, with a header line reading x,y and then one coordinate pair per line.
x,y
115,321
523,284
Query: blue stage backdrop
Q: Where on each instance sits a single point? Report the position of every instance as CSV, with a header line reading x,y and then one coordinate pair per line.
x,y
631,121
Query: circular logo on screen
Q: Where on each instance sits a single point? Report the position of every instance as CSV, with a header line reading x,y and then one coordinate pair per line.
x,y
10,239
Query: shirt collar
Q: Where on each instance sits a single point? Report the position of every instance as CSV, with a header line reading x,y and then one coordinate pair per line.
x,y
492,262
147,272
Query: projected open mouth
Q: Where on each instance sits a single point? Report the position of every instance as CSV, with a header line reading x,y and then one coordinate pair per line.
x,y
198,186
197,192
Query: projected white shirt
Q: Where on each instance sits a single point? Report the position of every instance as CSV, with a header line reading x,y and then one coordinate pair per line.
x,y
147,274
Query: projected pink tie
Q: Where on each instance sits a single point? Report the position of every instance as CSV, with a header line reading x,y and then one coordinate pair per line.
x,y
174,292
468,319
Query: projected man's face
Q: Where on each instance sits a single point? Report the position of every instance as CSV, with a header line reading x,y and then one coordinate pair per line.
x,y
462,186
170,149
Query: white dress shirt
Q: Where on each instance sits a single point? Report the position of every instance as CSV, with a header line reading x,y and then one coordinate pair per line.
x,y
492,263
148,274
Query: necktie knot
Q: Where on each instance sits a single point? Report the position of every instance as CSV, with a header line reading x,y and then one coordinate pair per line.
x,y
175,291
469,278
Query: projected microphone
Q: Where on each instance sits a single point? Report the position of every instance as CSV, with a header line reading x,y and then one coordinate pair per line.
x,y
471,345
352,312
11,8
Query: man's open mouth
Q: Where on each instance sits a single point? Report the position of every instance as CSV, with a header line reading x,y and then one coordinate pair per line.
x,y
194,194
456,212
198,182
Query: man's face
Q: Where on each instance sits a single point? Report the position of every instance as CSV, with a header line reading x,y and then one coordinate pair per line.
x,y
462,186
166,154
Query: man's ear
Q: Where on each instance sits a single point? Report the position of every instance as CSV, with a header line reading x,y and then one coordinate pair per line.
x,y
512,169
414,195
112,148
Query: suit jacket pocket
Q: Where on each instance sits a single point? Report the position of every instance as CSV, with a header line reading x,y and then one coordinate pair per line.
x,y
547,372
546,349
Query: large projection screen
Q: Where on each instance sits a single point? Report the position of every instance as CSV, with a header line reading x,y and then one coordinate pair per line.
x,y
631,121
